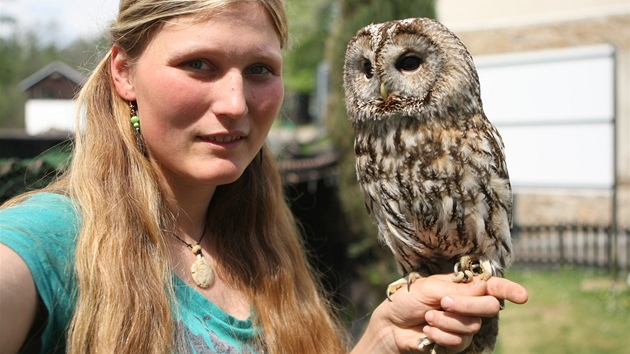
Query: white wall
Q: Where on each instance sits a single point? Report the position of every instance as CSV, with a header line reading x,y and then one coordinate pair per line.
x,y
470,15
555,112
44,115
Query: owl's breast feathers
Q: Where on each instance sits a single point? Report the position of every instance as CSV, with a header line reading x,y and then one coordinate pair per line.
x,y
437,191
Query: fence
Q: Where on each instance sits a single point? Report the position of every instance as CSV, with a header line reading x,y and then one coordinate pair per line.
x,y
593,246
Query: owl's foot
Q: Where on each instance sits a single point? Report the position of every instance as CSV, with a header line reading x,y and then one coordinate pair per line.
x,y
406,281
470,266
435,349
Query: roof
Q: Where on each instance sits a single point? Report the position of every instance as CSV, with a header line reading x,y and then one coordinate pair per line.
x,y
55,66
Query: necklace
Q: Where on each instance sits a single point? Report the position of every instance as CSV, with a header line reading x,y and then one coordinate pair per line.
x,y
201,270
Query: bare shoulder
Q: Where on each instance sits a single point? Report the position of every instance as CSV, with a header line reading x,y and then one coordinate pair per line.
x,y
18,300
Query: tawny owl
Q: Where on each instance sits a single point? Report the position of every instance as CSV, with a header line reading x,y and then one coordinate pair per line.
x,y
431,166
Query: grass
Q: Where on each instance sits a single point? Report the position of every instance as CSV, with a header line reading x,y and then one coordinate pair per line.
x,y
569,311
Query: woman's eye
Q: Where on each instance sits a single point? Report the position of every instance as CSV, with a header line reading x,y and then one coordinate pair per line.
x,y
409,63
259,70
197,64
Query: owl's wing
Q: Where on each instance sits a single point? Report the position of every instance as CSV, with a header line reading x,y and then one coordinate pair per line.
x,y
497,150
488,159
390,212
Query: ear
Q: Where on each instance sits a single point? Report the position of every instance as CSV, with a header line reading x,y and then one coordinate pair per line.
x,y
121,74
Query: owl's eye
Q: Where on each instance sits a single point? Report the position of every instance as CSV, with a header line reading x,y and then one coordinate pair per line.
x,y
408,63
367,69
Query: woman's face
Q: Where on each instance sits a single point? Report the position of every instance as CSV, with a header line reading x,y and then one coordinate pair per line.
x,y
207,93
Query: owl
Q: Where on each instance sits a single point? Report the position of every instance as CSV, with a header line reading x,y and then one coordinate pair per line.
x,y
430,165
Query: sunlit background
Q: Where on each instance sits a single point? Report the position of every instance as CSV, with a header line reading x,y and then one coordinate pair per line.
x,y
61,21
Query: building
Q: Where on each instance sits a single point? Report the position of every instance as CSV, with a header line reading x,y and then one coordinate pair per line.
x,y
570,60
50,107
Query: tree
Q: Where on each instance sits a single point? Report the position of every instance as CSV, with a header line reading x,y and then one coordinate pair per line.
x,y
309,23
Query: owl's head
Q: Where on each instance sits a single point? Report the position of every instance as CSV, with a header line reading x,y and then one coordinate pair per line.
x,y
414,67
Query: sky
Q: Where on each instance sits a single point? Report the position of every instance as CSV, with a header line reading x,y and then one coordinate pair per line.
x,y
61,21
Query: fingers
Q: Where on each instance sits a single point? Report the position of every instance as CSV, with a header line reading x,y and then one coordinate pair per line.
x,y
450,329
445,312
481,306
453,322
450,343
410,306
442,284
505,289
409,340
500,288
480,298
477,298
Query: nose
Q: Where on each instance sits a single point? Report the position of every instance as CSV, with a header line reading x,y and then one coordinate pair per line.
x,y
229,96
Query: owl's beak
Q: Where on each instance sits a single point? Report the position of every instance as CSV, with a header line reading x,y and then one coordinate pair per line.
x,y
384,91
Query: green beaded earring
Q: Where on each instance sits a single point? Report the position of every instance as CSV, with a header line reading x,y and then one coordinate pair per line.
x,y
135,120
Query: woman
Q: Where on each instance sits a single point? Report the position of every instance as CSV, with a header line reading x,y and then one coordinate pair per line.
x,y
169,232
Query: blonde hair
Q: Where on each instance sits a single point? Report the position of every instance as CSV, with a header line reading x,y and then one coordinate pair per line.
x,y
125,300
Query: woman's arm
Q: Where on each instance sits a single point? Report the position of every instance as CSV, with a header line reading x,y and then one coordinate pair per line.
x,y
435,307
18,300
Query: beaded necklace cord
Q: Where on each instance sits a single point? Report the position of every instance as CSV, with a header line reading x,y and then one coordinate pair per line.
x,y
202,272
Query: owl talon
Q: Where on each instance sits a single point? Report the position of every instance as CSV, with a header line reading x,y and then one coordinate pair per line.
x,y
485,275
486,269
425,342
463,276
393,287
470,266
407,280
458,277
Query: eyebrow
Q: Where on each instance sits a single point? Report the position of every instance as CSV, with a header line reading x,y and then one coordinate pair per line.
x,y
258,53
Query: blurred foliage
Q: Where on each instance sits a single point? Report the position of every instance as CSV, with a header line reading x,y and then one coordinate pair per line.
x,y
351,15
309,25
21,175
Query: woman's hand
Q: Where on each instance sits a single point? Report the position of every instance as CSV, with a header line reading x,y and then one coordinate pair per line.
x,y
447,313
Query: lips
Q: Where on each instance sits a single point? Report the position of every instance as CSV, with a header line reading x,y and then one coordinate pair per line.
x,y
223,139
